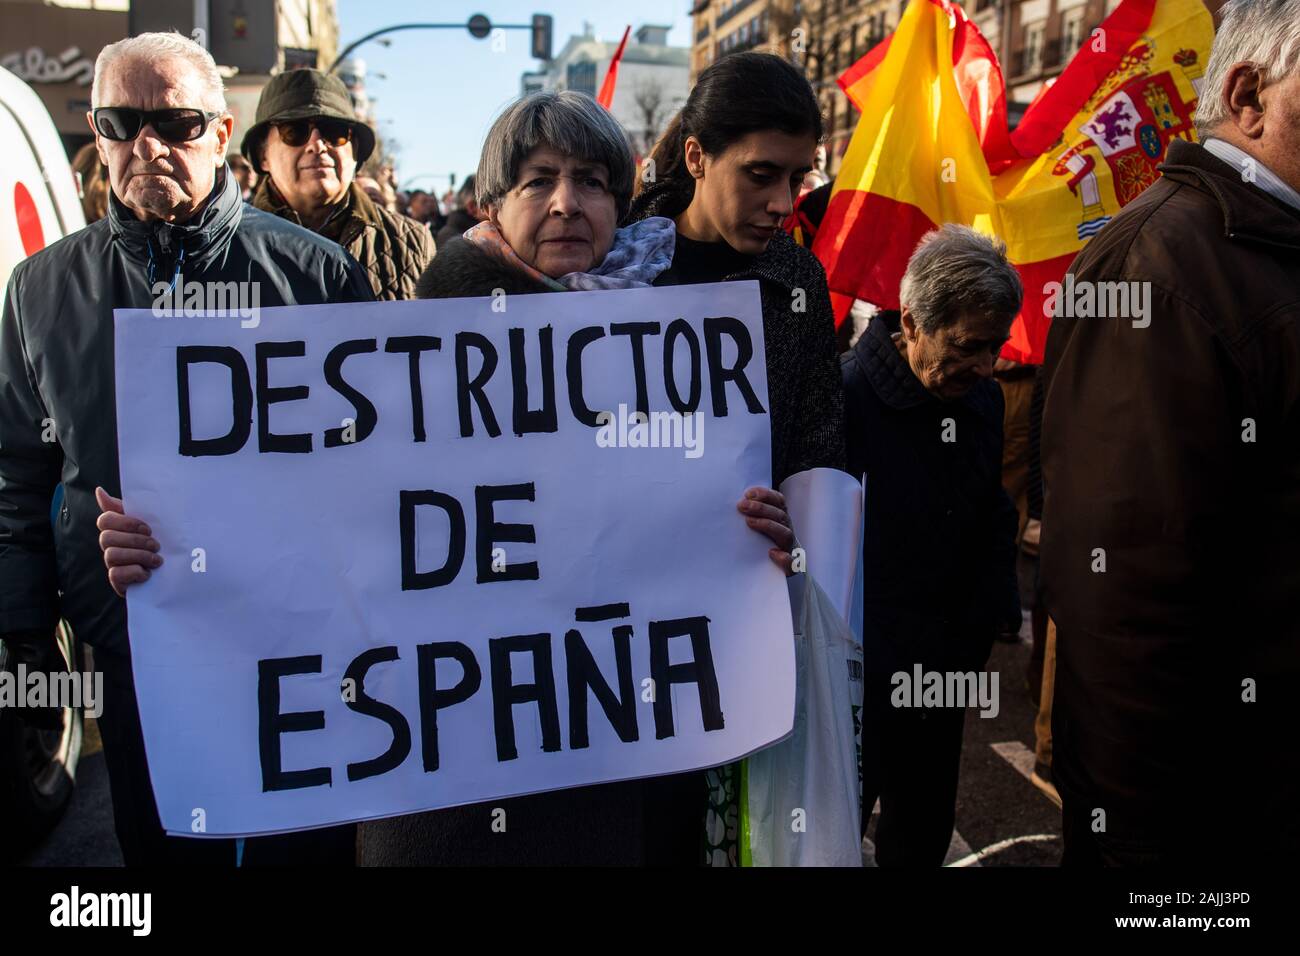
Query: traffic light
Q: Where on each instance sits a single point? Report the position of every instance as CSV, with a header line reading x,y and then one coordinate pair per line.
x,y
542,36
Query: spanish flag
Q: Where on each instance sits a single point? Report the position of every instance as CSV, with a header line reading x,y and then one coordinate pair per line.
x,y
933,146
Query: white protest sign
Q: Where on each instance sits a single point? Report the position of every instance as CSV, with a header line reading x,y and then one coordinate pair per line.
x,y
825,505
407,566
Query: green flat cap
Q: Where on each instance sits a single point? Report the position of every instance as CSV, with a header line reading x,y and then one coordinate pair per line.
x,y
304,94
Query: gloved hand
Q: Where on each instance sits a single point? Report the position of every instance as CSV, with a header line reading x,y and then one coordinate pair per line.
x,y
39,652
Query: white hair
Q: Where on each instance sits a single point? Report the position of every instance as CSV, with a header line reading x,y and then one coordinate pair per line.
x,y
1263,32
956,270
154,46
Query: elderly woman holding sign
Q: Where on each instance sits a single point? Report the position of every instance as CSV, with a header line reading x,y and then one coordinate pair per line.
x,y
555,178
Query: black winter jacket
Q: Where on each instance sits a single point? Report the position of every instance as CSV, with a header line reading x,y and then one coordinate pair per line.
x,y
803,390
57,371
458,221
939,550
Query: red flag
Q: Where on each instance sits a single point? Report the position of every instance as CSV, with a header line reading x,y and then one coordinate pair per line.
x,y
933,102
606,97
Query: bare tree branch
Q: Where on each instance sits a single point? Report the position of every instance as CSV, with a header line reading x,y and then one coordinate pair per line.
x,y
649,98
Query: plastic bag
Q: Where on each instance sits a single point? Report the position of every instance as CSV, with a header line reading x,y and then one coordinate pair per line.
x,y
800,800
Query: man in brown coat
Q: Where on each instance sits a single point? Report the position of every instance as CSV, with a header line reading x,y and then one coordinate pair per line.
x,y
1171,461
309,142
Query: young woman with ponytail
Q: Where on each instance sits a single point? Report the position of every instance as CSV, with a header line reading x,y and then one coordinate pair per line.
x,y
726,171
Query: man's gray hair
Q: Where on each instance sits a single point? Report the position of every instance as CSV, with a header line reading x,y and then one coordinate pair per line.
x,y
1263,32
153,46
569,122
955,271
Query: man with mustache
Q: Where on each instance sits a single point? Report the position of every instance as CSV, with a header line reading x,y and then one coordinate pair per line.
x,y
175,216
309,142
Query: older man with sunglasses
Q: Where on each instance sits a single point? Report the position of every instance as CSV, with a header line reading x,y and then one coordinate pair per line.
x,y
309,143
175,219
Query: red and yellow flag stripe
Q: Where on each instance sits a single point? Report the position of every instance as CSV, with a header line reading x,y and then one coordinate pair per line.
x,y
932,146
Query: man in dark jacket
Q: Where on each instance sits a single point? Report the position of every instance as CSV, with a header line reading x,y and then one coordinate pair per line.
x,y
1171,468
923,419
309,142
175,218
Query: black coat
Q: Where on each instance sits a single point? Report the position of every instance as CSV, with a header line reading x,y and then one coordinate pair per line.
x,y
458,221
56,363
939,551
658,821
802,385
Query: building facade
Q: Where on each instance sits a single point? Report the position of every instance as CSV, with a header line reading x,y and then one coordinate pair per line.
x,y
823,37
719,27
53,46
1041,37
832,36
1033,39
352,71
653,78
251,40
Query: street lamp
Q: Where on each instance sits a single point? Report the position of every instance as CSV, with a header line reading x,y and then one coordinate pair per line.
x,y
478,26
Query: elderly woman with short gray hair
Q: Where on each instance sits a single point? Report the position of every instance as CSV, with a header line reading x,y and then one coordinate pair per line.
x,y
554,179
923,421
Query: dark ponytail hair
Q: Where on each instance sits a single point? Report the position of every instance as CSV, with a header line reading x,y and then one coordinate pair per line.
x,y
740,94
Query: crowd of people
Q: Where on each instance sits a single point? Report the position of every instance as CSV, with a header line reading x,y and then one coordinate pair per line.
x,y
1156,467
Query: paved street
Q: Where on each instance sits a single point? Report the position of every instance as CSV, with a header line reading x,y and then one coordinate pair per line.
x,y
1002,820
1001,816
84,837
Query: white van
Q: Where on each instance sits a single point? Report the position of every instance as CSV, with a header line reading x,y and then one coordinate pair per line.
x,y
38,190
38,204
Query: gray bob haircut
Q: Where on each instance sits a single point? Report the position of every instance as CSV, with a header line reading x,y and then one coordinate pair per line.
x,y
157,46
955,271
569,122
1263,32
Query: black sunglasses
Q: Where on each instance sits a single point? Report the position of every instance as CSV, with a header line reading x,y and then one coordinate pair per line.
x,y
123,123
333,132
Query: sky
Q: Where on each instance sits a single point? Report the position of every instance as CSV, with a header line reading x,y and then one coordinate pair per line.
x,y
441,89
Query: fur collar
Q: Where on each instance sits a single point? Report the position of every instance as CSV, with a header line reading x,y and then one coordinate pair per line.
x,y
461,269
